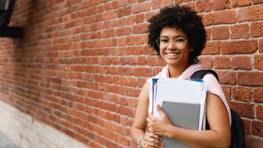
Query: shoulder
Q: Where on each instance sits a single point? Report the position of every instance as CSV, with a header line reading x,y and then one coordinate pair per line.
x,y
211,80
145,90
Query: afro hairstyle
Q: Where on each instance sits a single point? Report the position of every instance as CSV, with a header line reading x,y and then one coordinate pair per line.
x,y
179,17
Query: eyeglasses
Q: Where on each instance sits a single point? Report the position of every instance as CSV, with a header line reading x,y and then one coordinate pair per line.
x,y
179,42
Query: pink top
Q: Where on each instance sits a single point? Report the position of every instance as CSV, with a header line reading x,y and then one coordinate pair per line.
x,y
212,84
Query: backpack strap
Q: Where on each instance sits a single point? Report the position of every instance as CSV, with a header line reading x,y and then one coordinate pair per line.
x,y
199,74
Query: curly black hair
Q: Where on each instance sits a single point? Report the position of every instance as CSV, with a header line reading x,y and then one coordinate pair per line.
x,y
183,18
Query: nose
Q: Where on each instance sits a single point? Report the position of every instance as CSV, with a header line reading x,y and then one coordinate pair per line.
x,y
171,45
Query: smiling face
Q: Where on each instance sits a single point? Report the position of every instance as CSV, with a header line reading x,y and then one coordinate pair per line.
x,y
171,54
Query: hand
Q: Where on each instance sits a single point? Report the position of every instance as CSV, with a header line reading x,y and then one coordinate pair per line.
x,y
152,141
159,126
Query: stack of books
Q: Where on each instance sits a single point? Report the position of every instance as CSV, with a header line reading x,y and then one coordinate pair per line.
x,y
184,103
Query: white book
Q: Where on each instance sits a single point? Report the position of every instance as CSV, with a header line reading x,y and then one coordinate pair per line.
x,y
178,90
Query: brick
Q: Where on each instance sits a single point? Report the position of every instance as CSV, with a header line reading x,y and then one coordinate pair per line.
x,y
152,61
132,60
133,50
123,101
227,92
250,78
258,62
239,3
142,71
161,62
140,28
257,1
261,46
122,41
132,81
222,62
125,71
156,71
130,40
139,18
132,102
123,31
219,18
141,7
161,3
146,50
257,128
253,142
226,77
207,30
239,31
259,112
142,60
122,3
258,95
203,6
109,15
243,109
122,22
257,29
234,47
123,60
148,15
250,14
130,20
221,32
124,11
117,51
191,5
110,144
108,33
247,125
131,2
212,48
207,61
220,4
125,111
241,62
139,39
242,94
115,79
124,120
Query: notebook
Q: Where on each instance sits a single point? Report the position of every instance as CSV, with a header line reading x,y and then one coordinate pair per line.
x,y
183,115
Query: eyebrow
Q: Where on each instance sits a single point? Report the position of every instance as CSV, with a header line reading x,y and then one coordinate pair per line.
x,y
175,36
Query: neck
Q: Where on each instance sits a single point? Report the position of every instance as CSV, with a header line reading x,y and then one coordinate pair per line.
x,y
176,71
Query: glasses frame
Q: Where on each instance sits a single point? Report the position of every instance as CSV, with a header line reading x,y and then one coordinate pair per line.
x,y
169,43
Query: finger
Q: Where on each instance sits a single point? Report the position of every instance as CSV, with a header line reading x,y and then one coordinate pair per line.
x,y
154,136
148,145
159,109
149,121
151,116
153,143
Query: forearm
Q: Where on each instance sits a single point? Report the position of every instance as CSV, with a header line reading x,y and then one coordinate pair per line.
x,y
136,134
199,138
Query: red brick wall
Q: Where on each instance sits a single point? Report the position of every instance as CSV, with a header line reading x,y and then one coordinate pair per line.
x,y
82,63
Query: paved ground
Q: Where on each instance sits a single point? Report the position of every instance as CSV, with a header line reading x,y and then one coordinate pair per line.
x,y
5,142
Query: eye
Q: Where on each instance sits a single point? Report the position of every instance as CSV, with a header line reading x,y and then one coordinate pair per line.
x,y
164,40
180,40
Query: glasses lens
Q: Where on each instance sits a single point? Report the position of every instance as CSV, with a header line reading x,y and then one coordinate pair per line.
x,y
163,42
179,42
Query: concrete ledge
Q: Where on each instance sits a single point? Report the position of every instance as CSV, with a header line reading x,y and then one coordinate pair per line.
x,y
24,133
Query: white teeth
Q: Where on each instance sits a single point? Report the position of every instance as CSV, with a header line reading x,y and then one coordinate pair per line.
x,y
170,54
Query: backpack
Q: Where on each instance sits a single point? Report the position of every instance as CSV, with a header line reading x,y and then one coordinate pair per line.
x,y
237,127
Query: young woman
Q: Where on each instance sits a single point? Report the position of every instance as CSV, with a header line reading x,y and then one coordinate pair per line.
x,y
178,35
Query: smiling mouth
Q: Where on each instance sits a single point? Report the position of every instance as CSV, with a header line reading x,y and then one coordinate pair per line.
x,y
171,54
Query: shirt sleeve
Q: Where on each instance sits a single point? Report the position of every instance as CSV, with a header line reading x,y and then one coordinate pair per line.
x,y
214,87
